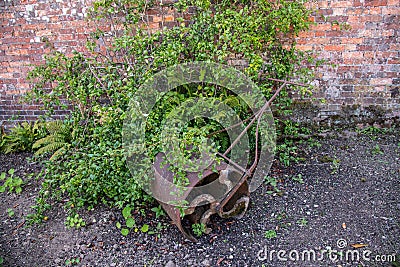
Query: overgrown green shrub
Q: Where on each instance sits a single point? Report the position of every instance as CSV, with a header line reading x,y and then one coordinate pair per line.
x,y
98,87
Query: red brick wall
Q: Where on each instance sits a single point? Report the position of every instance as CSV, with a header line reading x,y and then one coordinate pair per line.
x,y
360,36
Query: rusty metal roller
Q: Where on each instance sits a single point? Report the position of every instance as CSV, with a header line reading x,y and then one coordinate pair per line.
x,y
224,192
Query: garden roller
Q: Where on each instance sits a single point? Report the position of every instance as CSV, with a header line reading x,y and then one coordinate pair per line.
x,y
228,179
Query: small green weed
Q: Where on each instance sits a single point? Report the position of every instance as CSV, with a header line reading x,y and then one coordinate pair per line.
x,y
312,142
271,181
335,165
13,184
281,215
287,152
373,132
10,212
72,261
270,234
298,178
129,221
376,150
158,229
199,229
302,222
75,221
158,211
145,228
1,261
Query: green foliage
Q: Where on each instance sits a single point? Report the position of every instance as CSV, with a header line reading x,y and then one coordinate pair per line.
x,y
92,166
10,212
124,231
21,137
158,211
57,141
72,261
376,150
298,178
302,222
12,184
273,183
287,152
373,132
145,228
270,234
199,229
75,221
335,165
129,221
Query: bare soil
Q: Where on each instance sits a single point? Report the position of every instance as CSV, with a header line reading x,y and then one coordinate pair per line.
x,y
347,204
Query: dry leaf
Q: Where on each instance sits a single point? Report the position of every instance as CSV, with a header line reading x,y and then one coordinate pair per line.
x,y
359,245
344,226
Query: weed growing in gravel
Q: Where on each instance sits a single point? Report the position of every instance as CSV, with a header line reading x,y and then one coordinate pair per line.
x,y
376,150
75,221
335,166
298,178
158,229
13,184
10,212
312,142
158,211
270,234
302,222
271,181
72,261
199,229
129,221
145,228
287,152
371,131
1,261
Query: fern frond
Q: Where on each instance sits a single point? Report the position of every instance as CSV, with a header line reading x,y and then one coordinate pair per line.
x,y
55,126
49,148
54,138
59,152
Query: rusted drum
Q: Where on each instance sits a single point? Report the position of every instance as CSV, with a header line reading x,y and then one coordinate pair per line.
x,y
203,195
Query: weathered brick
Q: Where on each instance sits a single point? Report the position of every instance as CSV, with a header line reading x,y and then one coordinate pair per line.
x,y
367,54
375,2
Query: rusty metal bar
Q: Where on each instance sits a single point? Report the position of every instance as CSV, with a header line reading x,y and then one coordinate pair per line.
x,y
259,114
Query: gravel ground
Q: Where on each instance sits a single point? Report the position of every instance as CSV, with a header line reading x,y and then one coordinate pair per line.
x,y
335,206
